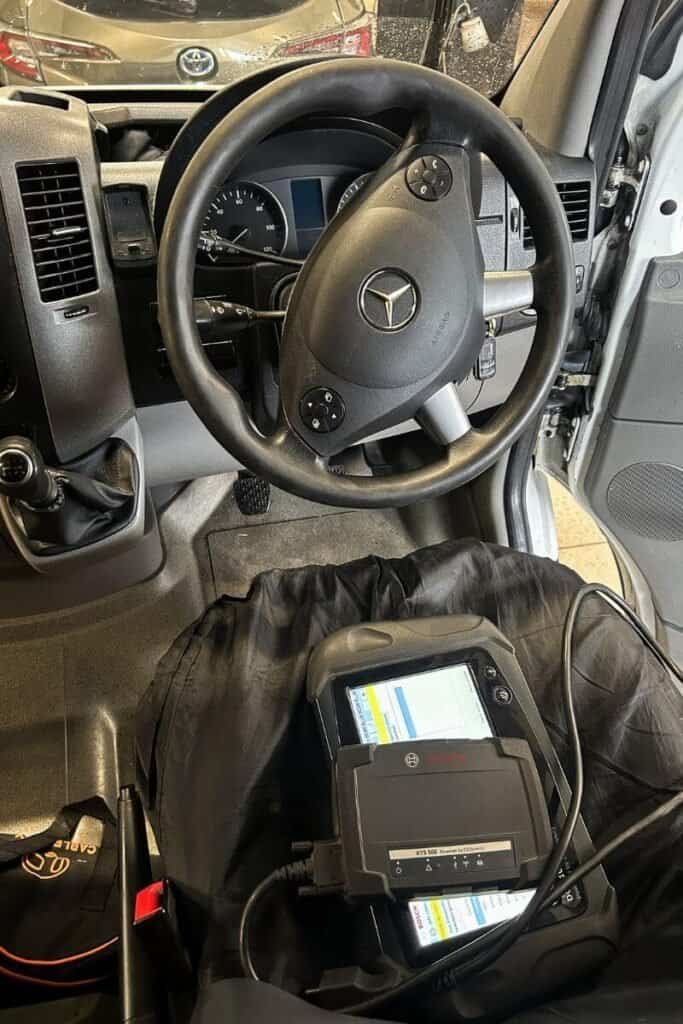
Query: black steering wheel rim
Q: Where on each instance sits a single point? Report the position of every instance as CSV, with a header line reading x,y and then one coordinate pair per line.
x,y
445,112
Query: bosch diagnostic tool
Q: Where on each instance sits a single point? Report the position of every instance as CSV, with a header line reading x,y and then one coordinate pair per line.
x,y
449,796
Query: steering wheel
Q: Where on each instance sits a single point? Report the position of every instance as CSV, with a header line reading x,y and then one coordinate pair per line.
x,y
388,310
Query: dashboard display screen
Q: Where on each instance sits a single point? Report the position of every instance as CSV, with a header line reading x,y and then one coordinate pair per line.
x,y
307,200
447,918
441,704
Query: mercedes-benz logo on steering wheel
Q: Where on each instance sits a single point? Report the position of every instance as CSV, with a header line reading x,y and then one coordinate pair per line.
x,y
388,299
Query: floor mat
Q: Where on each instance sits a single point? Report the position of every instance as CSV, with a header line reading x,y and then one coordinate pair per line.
x,y
295,532
240,553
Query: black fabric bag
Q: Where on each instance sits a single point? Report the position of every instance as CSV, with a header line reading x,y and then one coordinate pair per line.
x,y
232,768
59,900
644,985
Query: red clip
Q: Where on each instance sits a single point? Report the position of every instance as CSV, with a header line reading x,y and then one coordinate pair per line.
x,y
149,901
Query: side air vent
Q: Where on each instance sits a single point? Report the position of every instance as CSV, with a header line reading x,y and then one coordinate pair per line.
x,y
58,228
576,199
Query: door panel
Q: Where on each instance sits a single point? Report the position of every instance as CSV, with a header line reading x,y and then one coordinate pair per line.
x,y
634,483
626,458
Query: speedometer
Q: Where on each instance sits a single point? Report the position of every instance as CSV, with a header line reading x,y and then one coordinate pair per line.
x,y
247,215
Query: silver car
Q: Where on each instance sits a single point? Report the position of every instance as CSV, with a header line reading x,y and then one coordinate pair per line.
x,y
111,42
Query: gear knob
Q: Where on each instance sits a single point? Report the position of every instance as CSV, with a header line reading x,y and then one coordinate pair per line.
x,y
24,475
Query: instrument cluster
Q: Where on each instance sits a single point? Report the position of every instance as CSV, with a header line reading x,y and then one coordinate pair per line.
x,y
283,217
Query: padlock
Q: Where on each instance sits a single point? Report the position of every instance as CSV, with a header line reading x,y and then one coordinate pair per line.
x,y
473,32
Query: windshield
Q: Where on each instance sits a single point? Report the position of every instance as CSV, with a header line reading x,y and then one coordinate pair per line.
x,y
62,43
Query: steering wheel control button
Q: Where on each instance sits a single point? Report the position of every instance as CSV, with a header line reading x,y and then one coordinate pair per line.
x,y
388,300
429,178
322,410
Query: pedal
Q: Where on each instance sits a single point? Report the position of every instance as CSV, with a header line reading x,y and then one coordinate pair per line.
x,y
252,494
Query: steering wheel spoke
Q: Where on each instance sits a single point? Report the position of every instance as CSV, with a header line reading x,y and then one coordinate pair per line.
x,y
433,126
509,291
443,416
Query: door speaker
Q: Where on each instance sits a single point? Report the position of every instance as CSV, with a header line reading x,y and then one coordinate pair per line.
x,y
647,498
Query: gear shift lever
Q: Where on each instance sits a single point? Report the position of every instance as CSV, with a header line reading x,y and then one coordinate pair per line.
x,y
24,475
57,510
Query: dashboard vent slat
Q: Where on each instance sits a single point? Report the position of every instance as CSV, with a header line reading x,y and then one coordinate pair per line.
x,y
42,195
38,178
575,197
57,223
49,250
65,204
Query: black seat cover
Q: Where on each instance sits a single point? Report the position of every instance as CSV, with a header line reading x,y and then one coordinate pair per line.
x,y
229,769
644,986
247,1001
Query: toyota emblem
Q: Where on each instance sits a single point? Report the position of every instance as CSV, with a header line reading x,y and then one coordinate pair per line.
x,y
196,62
388,300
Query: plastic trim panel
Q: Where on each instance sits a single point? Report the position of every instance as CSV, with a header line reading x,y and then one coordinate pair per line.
x,y
80,361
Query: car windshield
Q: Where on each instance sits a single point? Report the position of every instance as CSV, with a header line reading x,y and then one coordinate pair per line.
x,y
65,43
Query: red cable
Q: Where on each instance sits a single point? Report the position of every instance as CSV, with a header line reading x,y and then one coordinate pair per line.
x,y
27,980
57,963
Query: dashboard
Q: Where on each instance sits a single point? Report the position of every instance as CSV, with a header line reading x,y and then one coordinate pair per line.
x,y
260,226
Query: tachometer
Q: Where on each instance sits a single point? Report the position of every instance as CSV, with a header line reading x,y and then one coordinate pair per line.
x,y
249,215
353,189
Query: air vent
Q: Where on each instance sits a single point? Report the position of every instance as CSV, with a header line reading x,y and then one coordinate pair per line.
x,y
576,199
58,228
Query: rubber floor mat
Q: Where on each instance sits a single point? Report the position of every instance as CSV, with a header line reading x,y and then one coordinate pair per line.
x,y
242,552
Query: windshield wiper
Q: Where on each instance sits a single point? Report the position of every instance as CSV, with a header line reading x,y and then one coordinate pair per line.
x,y
437,33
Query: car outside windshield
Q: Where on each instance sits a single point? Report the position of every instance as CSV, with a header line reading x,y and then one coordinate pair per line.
x,y
65,43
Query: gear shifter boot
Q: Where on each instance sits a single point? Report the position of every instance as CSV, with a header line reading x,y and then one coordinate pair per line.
x,y
96,498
